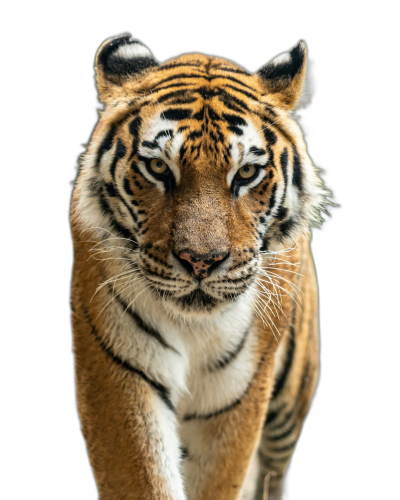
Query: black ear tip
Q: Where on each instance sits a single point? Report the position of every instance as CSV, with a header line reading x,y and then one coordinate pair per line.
x,y
123,56
301,47
121,39
125,35
110,45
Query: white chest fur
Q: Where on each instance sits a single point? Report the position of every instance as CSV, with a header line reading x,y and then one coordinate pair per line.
x,y
206,364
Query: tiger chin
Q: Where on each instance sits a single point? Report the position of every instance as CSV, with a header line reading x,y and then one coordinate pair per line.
x,y
191,217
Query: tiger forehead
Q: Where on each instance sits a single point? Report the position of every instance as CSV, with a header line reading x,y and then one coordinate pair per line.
x,y
199,67
201,104
202,135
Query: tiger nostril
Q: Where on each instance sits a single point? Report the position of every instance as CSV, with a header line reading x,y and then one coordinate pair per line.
x,y
200,266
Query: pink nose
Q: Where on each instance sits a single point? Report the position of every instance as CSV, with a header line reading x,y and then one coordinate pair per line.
x,y
199,264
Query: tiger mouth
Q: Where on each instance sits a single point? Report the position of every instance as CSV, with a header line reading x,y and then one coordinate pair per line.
x,y
197,299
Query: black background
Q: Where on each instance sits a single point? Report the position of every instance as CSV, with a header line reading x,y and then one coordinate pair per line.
x,y
333,443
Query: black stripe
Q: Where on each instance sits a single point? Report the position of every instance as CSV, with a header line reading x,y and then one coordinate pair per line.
x,y
269,136
283,423
183,100
228,104
177,65
125,203
144,326
269,108
175,77
284,434
125,233
232,70
233,120
277,126
165,133
287,226
176,114
247,94
223,94
134,129
284,161
272,414
270,460
230,356
236,130
189,85
127,187
272,200
120,152
106,145
174,93
257,151
233,79
281,449
297,174
280,382
196,416
151,144
161,390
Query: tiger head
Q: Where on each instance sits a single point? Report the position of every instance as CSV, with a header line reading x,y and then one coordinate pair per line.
x,y
198,168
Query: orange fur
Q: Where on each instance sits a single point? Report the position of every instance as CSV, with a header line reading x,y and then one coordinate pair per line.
x,y
119,404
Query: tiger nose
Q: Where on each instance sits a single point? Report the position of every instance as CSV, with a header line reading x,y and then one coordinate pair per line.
x,y
201,266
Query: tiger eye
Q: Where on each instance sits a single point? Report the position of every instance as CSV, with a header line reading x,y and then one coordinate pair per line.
x,y
247,171
158,166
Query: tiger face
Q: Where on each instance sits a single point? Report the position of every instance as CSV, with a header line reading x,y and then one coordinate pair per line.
x,y
198,169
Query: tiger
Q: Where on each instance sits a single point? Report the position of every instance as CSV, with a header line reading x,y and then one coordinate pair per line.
x,y
194,296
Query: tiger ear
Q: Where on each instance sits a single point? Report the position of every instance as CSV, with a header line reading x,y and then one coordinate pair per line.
x,y
119,60
284,76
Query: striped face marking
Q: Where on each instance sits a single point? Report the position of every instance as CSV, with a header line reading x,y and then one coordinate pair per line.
x,y
197,156
195,175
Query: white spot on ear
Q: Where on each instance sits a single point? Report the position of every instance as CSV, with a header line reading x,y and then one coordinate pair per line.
x,y
281,59
131,51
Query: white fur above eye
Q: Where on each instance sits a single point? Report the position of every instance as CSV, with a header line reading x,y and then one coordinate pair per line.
x,y
242,155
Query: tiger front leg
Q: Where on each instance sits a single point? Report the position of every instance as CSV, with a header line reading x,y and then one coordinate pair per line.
x,y
219,447
129,425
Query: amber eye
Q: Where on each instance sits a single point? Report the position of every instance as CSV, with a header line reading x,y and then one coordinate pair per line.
x,y
247,171
158,166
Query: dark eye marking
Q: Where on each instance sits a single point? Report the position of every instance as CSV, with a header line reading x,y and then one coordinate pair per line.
x,y
239,181
151,144
154,144
166,177
257,151
165,133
